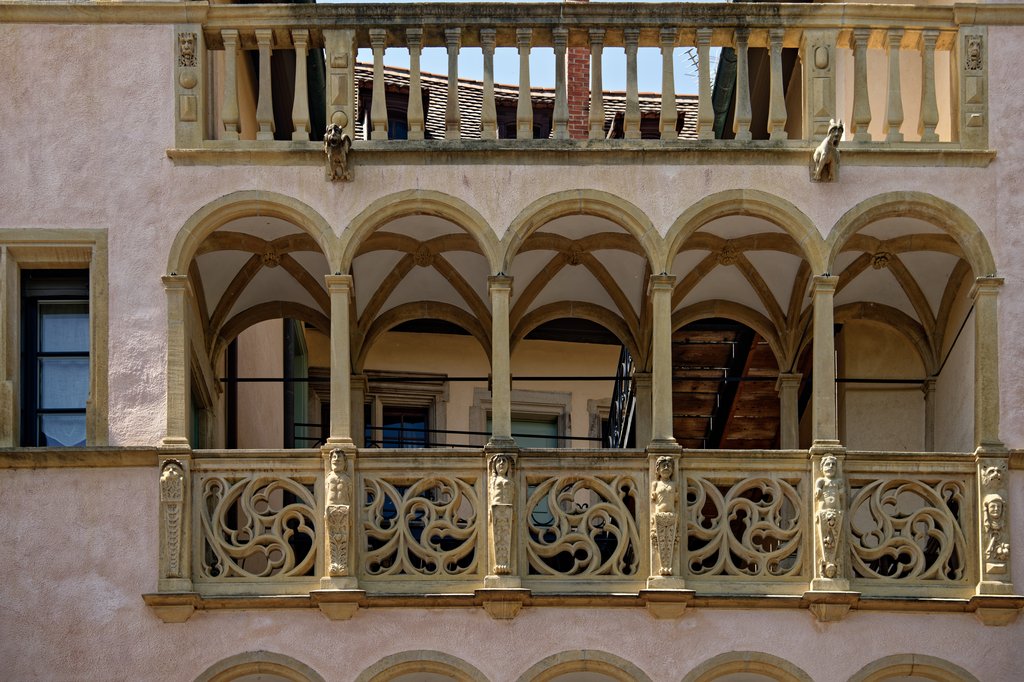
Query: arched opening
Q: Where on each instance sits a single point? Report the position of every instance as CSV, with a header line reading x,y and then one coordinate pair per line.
x,y
740,315
580,335
907,667
746,666
904,340
259,666
421,331
584,666
259,337
421,666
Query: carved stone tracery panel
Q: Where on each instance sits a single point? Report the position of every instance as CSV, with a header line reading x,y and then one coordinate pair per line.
x,y
909,529
256,526
752,528
583,526
426,527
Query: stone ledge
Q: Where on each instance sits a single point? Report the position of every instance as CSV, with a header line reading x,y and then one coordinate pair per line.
x,y
86,457
578,153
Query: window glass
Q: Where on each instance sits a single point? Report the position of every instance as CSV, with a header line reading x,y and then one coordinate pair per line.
x,y
63,326
63,382
61,430
405,427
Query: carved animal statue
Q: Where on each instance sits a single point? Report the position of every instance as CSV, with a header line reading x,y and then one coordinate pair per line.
x,y
826,156
336,146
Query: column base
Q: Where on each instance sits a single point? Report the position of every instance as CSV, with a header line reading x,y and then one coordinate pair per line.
x,y
346,444
337,604
830,606
663,446
501,444
175,443
827,447
502,603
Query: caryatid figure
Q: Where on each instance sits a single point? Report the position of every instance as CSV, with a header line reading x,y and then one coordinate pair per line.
x,y
501,498
338,502
665,497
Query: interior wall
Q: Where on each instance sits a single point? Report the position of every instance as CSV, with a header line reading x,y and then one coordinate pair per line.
x,y
879,416
954,394
261,405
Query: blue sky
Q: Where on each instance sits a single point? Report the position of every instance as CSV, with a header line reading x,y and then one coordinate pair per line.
x,y
542,62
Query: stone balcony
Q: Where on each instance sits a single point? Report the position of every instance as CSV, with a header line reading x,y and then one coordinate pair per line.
x,y
580,527
881,69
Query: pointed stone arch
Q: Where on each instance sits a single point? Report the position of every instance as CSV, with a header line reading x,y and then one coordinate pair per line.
x,y
748,202
243,204
582,202
418,202
925,207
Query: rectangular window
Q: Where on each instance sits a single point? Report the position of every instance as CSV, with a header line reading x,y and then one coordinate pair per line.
x,y
55,357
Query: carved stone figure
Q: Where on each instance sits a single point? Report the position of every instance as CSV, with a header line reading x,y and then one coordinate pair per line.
x,y
665,496
829,502
172,498
186,50
972,54
826,156
501,493
997,547
337,505
336,147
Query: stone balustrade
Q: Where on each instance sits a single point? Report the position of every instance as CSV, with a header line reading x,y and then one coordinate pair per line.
x,y
514,526
895,74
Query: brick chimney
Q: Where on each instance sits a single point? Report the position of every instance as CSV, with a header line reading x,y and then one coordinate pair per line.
x,y
578,86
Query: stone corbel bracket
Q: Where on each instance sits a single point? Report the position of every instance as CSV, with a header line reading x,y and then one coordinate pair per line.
x,y
830,606
666,604
502,603
173,608
338,604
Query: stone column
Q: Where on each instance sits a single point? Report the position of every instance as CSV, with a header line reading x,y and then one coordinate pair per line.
x,y
788,386
379,105
176,287
743,116
631,118
661,287
986,362
339,287
300,103
825,432
500,288
596,84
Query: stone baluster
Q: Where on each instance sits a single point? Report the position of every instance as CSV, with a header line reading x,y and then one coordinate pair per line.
x,y
452,124
560,117
379,105
705,112
631,121
300,105
668,85
777,98
414,39
861,102
524,108
741,121
596,84
488,114
929,106
229,106
894,106
265,103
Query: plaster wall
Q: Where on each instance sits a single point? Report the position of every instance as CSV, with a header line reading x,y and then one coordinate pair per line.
x,y
880,416
117,150
90,538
